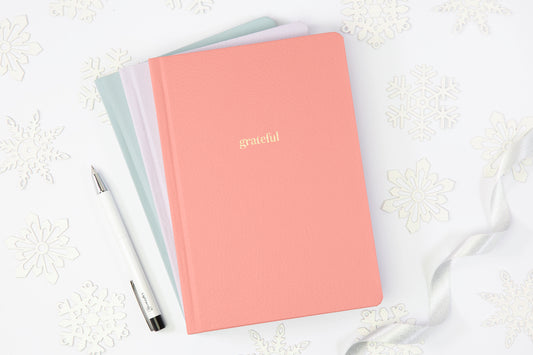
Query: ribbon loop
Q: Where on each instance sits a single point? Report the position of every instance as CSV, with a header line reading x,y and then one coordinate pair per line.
x,y
440,285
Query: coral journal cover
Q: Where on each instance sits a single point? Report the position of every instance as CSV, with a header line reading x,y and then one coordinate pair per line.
x,y
265,181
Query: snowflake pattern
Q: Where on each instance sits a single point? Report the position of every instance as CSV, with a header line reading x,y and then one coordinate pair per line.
x,y
374,319
92,319
418,195
515,308
42,248
173,4
499,140
84,10
473,10
30,150
94,68
201,6
195,6
375,20
15,46
423,103
278,344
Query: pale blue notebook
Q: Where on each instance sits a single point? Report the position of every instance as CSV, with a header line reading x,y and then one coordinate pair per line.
x,y
114,99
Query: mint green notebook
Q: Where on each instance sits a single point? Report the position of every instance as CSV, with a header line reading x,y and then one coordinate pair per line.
x,y
114,99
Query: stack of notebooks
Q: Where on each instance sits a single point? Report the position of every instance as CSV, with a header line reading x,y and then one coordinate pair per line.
x,y
243,148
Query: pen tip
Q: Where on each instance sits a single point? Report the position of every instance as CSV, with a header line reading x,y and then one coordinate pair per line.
x,y
100,186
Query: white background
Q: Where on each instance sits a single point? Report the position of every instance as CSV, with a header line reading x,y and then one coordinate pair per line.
x,y
494,73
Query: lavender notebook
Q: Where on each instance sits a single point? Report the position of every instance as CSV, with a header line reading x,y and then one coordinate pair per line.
x,y
138,90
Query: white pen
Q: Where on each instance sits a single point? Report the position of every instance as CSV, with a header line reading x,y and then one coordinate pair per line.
x,y
139,283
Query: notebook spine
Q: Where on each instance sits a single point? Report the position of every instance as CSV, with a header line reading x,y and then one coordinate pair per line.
x,y
162,109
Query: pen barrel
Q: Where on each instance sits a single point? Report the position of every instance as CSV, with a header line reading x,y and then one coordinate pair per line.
x,y
138,280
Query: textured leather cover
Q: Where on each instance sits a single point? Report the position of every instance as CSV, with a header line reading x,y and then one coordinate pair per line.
x,y
265,182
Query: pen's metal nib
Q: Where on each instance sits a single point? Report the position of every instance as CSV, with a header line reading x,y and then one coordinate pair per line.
x,y
99,184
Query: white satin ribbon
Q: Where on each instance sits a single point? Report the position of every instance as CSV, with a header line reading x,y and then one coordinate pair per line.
x,y
439,287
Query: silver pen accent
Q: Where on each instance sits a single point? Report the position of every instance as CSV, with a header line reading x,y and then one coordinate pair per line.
x,y
100,186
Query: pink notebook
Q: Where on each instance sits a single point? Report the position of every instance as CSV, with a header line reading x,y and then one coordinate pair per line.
x,y
265,182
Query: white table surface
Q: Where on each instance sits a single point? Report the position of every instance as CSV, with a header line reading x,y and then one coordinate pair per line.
x,y
493,73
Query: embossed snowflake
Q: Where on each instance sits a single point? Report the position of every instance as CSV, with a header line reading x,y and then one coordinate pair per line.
x,y
374,319
173,4
423,105
501,139
42,247
375,20
30,150
278,344
15,46
418,195
84,10
195,6
91,319
473,10
94,68
514,308
201,6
